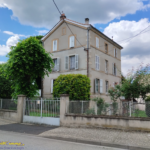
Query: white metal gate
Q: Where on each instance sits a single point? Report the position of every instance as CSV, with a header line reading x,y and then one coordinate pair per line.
x,y
42,111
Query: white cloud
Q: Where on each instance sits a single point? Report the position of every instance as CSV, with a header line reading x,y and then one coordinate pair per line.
x,y
135,50
42,32
8,32
44,14
1,62
12,41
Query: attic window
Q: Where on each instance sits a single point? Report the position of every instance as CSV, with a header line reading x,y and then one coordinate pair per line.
x,y
63,30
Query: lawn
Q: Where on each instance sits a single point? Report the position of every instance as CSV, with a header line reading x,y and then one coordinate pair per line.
x,y
38,114
139,113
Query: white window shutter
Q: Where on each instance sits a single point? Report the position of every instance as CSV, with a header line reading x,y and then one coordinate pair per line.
x,y
58,64
114,52
67,62
98,63
101,85
52,81
97,42
53,45
76,61
72,41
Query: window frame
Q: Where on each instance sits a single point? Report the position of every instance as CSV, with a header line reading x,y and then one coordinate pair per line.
x,y
106,50
97,38
53,45
106,66
115,52
97,63
106,86
64,29
74,41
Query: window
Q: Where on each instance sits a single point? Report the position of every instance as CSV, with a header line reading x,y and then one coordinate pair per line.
x,y
72,41
106,47
98,86
52,85
97,42
107,87
97,63
106,66
71,62
56,64
115,52
55,43
114,69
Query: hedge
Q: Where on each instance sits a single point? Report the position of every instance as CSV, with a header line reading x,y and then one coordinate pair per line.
x,y
76,85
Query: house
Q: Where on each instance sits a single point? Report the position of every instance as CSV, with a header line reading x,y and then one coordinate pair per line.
x,y
68,41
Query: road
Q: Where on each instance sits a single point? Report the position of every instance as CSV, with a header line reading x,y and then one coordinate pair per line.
x,y
33,142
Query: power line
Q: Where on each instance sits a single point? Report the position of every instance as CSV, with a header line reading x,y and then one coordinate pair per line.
x,y
68,25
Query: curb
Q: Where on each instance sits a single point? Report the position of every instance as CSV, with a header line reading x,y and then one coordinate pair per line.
x,y
96,143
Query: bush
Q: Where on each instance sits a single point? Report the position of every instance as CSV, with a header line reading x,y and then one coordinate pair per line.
x,y
76,85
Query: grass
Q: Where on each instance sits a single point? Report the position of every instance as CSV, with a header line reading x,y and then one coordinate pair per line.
x,y
139,113
38,114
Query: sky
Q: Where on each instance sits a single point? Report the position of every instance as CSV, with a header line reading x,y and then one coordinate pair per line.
x,y
121,19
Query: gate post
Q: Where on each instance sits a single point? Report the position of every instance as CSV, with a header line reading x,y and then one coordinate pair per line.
x,y
20,108
64,105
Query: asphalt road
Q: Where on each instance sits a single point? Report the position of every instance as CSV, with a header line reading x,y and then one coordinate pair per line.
x,y
33,142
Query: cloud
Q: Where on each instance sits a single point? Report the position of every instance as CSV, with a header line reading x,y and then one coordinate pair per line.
x,y
12,41
44,14
1,62
137,49
42,32
8,32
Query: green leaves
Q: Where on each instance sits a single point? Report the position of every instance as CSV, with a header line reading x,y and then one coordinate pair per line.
x,y
77,86
28,60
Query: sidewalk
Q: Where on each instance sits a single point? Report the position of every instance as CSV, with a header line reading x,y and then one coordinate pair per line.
x,y
105,137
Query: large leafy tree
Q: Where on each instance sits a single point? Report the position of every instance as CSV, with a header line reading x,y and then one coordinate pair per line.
x,y
5,83
27,61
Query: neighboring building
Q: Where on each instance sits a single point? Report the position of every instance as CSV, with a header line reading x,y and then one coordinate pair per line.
x,y
71,58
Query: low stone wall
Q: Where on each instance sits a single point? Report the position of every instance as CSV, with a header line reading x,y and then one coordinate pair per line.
x,y
114,122
9,114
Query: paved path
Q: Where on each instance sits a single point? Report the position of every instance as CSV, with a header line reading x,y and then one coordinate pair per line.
x,y
38,143
114,137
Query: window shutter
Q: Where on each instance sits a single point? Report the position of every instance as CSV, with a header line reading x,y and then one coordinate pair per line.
x,y
114,52
55,45
95,86
113,68
72,41
97,42
67,62
76,61
101,85
52,81
98,63
58,64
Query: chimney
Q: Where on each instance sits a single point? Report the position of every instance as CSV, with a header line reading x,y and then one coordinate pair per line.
x,y
86,20
62,16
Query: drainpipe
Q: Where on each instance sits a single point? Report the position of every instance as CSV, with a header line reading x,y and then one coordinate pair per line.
x,y
88,29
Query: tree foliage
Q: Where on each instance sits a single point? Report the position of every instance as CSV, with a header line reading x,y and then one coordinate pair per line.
x,y
27,61
76,85
5,83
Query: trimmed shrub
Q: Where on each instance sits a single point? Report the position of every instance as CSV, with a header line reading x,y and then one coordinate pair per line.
x,y
76,85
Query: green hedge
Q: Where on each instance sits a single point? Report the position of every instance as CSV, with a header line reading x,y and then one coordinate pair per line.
x,y
76,85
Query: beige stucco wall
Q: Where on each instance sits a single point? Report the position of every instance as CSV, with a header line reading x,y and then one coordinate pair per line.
x,y
64,50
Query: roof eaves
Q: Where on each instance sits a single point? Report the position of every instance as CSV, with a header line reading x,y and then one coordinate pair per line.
x,y
107,37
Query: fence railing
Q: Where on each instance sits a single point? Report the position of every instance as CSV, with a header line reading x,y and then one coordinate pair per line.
x,y
125,109
42,107
10,104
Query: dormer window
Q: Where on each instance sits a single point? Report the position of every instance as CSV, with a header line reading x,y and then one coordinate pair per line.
x,y
72,41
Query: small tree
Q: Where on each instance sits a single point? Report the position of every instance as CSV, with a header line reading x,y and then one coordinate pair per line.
x,y
5,83
76,85
27,61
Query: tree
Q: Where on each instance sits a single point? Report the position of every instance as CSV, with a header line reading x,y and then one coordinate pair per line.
x,y
27,61
76,85
5,84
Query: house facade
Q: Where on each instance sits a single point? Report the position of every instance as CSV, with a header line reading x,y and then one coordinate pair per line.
x,y
67,41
